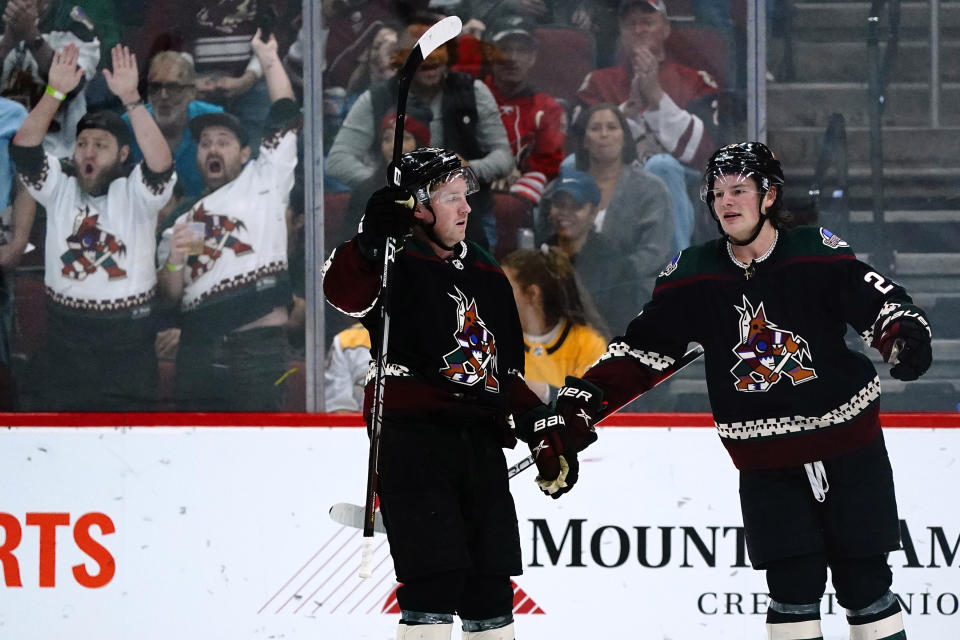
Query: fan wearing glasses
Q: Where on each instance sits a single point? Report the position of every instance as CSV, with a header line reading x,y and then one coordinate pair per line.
x,y
172,101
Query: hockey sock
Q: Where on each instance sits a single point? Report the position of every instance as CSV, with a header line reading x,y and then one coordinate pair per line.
x,y
793,621
424,631
881,620
499,628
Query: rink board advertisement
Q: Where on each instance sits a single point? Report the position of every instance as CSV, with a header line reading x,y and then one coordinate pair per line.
x,y
153,532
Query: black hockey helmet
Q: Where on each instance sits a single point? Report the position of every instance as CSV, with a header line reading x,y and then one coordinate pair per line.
x,y
746,160
425,169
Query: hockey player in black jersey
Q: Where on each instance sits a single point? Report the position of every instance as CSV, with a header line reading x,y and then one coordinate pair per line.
x,y
796,409
454,376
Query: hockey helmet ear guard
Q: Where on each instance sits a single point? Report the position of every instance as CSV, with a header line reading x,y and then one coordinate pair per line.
x,y
424,170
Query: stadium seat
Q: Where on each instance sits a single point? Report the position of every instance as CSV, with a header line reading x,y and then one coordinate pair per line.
x,y
701,48
511,212
30,315
334,213
573,48
159,31
469,55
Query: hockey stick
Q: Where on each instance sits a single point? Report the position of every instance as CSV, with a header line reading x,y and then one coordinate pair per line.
x,y
684,360
352,515
445,30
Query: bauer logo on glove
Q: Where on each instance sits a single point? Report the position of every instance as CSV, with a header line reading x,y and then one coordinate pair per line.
x,y
575,393
547,423
579,402
542,430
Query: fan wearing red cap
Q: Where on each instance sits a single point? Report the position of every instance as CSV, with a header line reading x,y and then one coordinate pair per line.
x,y
416,135
672,105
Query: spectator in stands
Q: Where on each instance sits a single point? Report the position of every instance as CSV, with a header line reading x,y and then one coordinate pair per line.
x,y
464,119
219,33
672,109
349,25
598,18
535,123
479,14
234,291
345,374
99,246
416,134
560,338
606,272
635,206
33,31
171,93
15,222
376,63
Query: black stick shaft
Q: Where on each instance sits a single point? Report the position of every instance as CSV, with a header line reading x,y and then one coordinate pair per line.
x,y
441,32
686,359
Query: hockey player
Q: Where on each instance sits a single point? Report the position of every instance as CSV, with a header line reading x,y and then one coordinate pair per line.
x,y
535,122
796,409
454,375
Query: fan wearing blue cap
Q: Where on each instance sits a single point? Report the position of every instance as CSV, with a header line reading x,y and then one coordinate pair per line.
x,y
609,277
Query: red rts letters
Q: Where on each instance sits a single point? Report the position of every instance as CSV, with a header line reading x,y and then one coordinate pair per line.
x,y
47,524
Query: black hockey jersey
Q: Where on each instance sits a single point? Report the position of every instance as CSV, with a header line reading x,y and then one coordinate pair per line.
x,y
783,385
455,337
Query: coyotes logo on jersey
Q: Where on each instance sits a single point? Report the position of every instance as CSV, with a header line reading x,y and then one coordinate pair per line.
x,y
475,357
218,235
90,247
767,353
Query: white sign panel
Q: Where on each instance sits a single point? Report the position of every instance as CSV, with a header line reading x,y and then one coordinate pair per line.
x,y
153,533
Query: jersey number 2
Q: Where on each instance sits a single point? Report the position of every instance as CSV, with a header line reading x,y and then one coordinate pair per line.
x,y
879,283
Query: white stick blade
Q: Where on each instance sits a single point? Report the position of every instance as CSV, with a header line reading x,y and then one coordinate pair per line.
x,y
445,30
352,515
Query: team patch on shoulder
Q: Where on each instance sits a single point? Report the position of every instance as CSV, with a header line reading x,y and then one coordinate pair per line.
x,y
832,240
670,268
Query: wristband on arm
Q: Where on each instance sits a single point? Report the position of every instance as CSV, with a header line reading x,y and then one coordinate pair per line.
x,y
59,95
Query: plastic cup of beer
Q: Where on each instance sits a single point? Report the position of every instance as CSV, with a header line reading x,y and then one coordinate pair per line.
x,y
197,232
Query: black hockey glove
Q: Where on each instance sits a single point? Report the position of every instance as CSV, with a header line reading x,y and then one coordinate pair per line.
x,y
906,345
389,213
579,402
541,429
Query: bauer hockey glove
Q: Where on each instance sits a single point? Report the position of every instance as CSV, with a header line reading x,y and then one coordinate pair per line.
x,y
541,429
579,402
389,213
906,345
